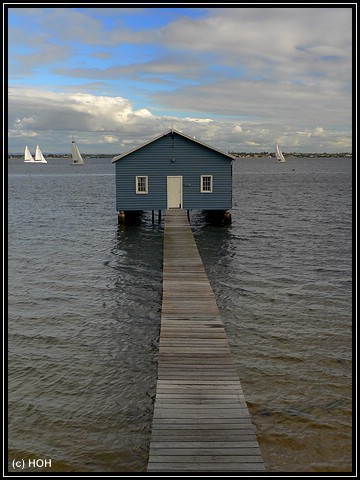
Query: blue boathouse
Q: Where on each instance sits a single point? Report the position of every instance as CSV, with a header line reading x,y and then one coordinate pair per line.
x,y
174,171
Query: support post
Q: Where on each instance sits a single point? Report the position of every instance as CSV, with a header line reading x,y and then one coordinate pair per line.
x,y
159,216
121,217
227,217
152,216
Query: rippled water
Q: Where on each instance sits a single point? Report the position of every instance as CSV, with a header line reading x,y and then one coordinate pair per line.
x,y
84,305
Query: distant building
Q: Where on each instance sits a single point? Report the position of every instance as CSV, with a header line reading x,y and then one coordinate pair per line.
x,y
174,171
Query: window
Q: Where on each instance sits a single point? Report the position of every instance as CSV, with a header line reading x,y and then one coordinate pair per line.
x,y
206,183
141,184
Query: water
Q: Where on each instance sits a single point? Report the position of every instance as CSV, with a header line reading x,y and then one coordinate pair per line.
x,y
84,306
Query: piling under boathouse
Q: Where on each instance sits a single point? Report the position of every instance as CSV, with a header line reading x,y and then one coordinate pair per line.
x,y
173,171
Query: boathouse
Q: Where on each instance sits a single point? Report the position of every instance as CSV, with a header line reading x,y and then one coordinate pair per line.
x,y
174,171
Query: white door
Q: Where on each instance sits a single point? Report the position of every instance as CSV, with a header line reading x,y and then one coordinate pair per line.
x,y
174,192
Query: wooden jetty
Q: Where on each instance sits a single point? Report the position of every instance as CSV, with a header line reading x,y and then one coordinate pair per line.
x,y
201,422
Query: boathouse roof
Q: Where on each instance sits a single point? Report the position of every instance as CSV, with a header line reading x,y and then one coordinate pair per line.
x,y
170,132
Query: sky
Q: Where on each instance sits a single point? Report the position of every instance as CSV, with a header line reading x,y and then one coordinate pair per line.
x,y
238,79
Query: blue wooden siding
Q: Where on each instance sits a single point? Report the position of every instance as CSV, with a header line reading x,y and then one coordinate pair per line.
x,y
178,156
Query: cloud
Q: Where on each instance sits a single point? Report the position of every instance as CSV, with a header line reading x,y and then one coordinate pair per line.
x,y
268,35
71,111
319,102
170,66
110,123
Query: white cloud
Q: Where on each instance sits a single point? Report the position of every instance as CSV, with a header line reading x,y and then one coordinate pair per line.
x,y
318,132
105,124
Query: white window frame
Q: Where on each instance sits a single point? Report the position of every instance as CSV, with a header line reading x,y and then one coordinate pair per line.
x,y
141,192
202,184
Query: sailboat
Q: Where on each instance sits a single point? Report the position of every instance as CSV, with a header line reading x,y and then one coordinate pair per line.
x,y
75,154
279,155
27,156
39,157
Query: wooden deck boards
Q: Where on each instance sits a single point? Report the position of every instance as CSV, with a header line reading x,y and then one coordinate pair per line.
x,y
201,422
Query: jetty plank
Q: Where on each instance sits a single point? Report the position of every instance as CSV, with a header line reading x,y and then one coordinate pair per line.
x,y
201,421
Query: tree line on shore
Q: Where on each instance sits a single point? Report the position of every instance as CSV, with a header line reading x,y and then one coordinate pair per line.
x,y
234,154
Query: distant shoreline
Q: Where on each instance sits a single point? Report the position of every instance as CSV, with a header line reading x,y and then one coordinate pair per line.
x,y
292,155
66,155
234,154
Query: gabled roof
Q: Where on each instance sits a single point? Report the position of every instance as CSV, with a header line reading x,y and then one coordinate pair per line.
x,y
172,130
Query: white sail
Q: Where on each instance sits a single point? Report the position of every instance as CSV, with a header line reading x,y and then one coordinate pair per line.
x,y
76,155
27,156
39,157
279,155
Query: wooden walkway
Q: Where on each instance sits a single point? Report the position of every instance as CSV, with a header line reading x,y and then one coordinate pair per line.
x,y
201,422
